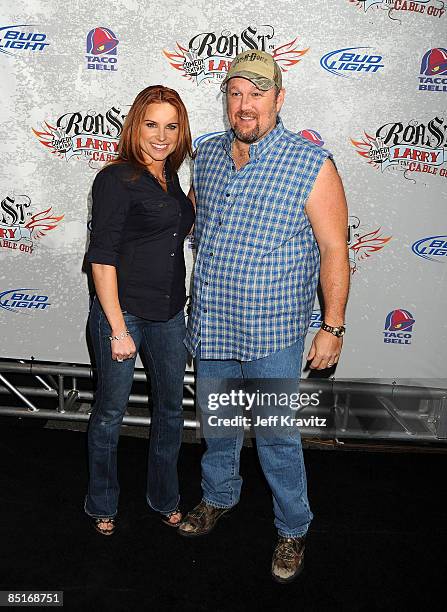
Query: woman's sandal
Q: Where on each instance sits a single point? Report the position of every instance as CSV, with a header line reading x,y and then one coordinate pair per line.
x,y
110,522
167,519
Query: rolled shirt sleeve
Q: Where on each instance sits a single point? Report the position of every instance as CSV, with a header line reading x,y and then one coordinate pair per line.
x,y
111,203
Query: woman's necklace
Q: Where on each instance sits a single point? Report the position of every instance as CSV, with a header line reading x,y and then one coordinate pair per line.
x,y
161,181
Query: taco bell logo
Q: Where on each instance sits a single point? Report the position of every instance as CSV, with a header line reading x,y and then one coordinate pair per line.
x,y
101,50
23,300
433,74
313,136
398,327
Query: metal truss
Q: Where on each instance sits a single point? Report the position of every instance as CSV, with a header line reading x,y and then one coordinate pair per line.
x,y
351,409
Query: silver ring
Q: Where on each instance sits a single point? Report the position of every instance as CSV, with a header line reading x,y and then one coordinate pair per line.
x,y
120,360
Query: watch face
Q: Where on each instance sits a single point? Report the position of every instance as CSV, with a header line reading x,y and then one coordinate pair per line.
x,y
336,331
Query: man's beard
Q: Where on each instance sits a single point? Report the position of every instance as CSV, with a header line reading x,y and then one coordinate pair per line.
x,y
247,137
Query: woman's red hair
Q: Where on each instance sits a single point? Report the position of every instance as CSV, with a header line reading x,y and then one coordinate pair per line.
x,y
129,144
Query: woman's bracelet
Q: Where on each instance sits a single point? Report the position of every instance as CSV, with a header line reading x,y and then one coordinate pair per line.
x,y
122,335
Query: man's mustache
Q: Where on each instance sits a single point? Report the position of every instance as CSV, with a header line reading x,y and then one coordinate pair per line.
x,y
245,115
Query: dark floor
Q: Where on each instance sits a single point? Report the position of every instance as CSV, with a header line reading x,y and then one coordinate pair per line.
x,y
377,542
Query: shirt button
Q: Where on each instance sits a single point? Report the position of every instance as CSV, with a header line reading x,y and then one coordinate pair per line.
x,y
167,296
172,254
174,234
206,283
227,195
220,222
205,310
211,254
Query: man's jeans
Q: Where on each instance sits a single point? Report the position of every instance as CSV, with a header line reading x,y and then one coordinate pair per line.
x,y
280,454
162,346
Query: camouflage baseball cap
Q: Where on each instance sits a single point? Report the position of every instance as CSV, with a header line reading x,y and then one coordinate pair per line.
x,y
258,67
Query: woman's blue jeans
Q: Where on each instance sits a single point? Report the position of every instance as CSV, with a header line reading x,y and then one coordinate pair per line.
x,y
280,454
161,343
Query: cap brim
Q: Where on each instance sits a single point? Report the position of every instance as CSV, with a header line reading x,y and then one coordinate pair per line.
x,y
261,82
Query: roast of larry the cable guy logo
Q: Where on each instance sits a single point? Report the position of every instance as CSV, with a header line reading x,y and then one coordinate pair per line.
x,y
363,242
208,55
416,147
19,228
432,8
90,135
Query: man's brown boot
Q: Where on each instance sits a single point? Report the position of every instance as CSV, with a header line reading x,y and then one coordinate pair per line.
x,y
288,559
201,520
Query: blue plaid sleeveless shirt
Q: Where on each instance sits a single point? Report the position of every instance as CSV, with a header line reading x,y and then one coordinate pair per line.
x,y
257,264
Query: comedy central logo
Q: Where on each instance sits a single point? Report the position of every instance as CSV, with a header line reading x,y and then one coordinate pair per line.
x,y
208,55
19,228
431,8
101,50
398,327
433,74
411,147
345,62
89,135
15,39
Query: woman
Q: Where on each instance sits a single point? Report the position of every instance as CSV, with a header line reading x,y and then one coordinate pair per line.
x,y
140,218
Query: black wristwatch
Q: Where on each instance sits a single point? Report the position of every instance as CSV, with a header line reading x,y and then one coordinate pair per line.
x,y
335,331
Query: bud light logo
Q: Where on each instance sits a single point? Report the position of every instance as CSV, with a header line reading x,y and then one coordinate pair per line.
x,y
22,300
204,137
313,136
14,40
101,50
433,248
433,76
344,61
316,320
398,327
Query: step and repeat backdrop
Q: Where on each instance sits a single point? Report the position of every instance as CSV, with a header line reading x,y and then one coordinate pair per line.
x,y
366,79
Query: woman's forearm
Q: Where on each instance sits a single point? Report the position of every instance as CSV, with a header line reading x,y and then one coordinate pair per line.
x,y
106,286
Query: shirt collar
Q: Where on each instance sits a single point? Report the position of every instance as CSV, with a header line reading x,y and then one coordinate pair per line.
x,y
261,146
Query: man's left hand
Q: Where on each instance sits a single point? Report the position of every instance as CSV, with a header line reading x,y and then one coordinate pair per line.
x,y
325,350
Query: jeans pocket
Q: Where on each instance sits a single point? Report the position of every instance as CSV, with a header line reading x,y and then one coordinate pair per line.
x,y
179,317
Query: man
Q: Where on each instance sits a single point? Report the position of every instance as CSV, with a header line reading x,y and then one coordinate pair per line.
x,y
270,206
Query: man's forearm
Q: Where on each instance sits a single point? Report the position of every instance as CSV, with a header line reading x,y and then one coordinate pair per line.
x,y
334,280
